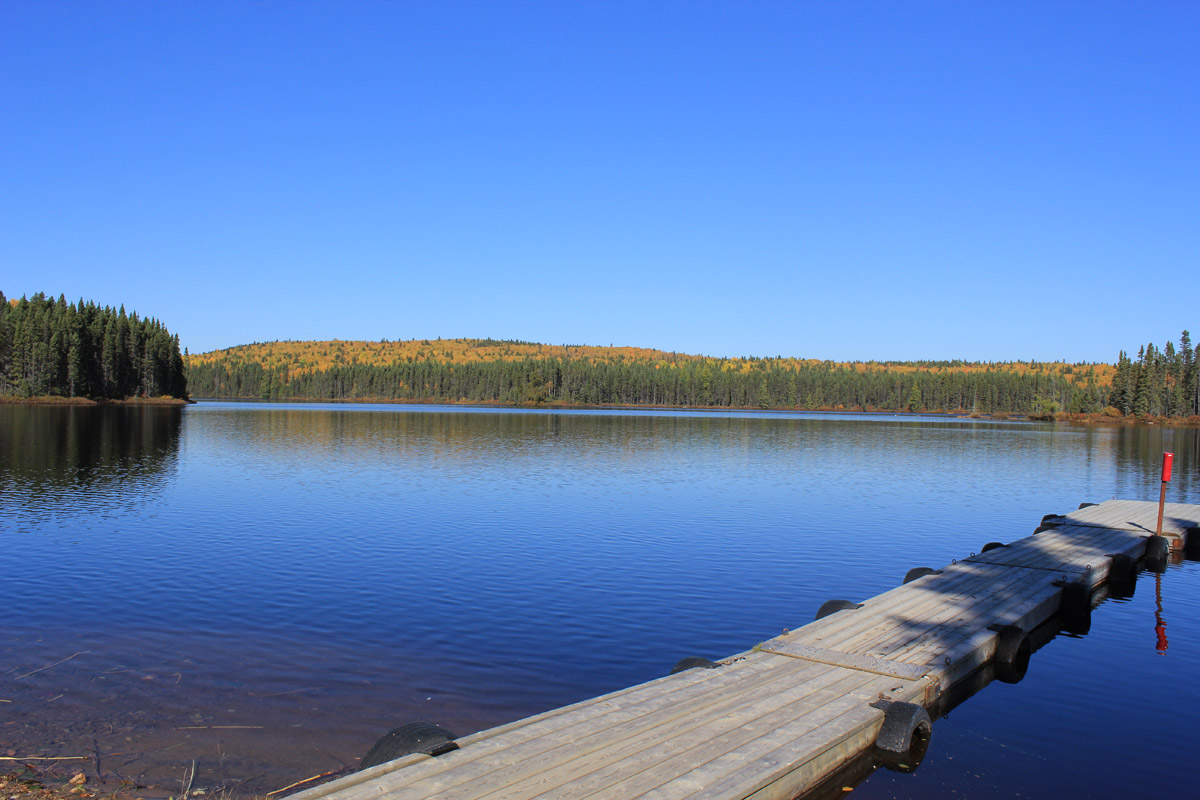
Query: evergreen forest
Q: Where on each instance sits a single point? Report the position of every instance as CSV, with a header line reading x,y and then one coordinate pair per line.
x,y
520,373
52,348
1163,382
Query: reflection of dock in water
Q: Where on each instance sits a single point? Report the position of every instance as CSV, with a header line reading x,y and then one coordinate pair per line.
x,y
816,708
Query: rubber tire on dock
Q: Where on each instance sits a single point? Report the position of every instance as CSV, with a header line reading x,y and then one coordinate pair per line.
x,y
1122,576
412,737
992,546
1085,505
692,662
1158,550
1075,610
1013,650
919,572
834,606
1048,527
904,737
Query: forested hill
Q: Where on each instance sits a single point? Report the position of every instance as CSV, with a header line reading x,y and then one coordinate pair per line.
x,y
52,348
513,372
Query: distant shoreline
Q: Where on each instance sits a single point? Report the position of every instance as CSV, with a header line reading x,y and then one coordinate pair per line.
x,y
1000,416
50,400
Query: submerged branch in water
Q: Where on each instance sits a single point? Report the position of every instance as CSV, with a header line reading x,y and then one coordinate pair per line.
x,y
290,691
55,664
187,790
301,783
219,727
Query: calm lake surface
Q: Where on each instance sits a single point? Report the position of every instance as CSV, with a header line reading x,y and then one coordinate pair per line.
x,y
267,589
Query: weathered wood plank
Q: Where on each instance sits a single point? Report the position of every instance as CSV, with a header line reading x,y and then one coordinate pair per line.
x,y
787,781
684,693
670,760
770,761
912,622
1070,548
952,657
592,726
1137,515
1012,587
359,778
656,757
957,580
900,624
856,661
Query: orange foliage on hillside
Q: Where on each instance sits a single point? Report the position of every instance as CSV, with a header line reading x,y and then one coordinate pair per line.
x,y
309,356
302,357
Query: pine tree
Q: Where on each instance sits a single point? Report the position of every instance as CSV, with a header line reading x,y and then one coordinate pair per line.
x,y
1121,396
6,326
1141,384
1189,389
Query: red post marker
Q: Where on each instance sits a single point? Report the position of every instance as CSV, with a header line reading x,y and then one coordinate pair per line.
x,y
1168,458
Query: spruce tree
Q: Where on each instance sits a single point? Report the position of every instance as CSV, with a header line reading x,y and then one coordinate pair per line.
x,y
1187,376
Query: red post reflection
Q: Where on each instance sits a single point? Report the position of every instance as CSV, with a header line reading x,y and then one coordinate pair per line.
x,y
1160,626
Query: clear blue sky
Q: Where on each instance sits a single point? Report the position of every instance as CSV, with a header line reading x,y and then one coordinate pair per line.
x,y
845,180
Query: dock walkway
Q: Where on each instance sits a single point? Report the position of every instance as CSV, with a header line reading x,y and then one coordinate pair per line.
x,y
775,721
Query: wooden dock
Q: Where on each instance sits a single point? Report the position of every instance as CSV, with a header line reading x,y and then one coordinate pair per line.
x,y
775,721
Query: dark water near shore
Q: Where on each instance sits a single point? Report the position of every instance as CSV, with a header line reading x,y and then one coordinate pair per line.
x,y
268,588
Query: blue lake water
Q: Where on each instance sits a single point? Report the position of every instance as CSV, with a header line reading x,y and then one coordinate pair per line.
x,y
268,588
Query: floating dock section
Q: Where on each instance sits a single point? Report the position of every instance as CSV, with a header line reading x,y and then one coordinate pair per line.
x,y
776,721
